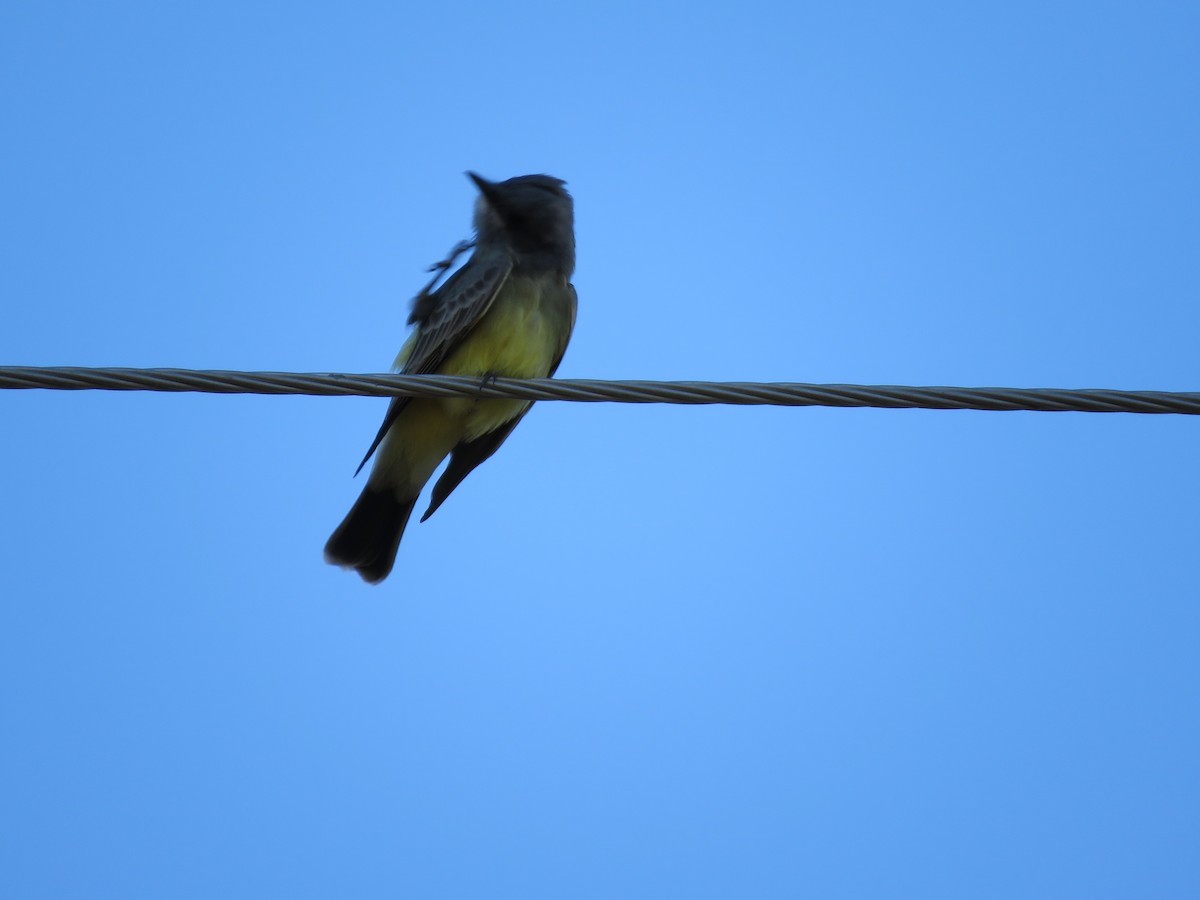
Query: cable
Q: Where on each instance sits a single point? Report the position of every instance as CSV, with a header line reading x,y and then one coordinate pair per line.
x,y
72,378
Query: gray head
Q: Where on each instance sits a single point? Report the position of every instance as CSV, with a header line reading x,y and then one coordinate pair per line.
x,y
533,215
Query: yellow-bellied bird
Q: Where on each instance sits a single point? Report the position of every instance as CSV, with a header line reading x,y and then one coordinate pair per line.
x,y
508,311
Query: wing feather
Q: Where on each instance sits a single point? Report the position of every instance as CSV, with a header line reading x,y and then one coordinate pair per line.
x,y
443,320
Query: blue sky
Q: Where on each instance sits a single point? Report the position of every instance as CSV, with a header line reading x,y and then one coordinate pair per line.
x,y
646,651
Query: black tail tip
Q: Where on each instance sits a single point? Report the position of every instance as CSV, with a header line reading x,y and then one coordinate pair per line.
x,y
369,536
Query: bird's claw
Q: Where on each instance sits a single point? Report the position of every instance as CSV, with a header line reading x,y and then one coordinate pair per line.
x,y
455,252
440,268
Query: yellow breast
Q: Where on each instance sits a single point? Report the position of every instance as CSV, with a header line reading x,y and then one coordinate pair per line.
x,y
520,337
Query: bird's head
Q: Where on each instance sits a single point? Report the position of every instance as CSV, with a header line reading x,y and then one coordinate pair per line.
x,y
533,214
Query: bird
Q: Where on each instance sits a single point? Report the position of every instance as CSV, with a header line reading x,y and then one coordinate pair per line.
x,y
508,311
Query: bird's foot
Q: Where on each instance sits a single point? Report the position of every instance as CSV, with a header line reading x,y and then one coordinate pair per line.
x,y
455,252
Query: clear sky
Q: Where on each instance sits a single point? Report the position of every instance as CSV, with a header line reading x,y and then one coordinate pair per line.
x,y
645,651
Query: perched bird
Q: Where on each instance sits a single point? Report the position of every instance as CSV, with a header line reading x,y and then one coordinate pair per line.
x,y
508,311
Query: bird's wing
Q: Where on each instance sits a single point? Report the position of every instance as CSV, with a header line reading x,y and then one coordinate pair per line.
x,y
463,460
444,317
443,320
566,337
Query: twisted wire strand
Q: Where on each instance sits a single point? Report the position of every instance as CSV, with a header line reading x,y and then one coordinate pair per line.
x,y
881,396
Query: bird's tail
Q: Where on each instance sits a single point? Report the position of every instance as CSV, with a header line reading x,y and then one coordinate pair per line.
x,y
369,536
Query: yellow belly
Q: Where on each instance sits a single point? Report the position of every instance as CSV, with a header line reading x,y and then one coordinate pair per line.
x,y
522,336
516,339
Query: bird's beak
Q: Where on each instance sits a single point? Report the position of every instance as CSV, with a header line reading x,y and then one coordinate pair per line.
x,y
487,188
